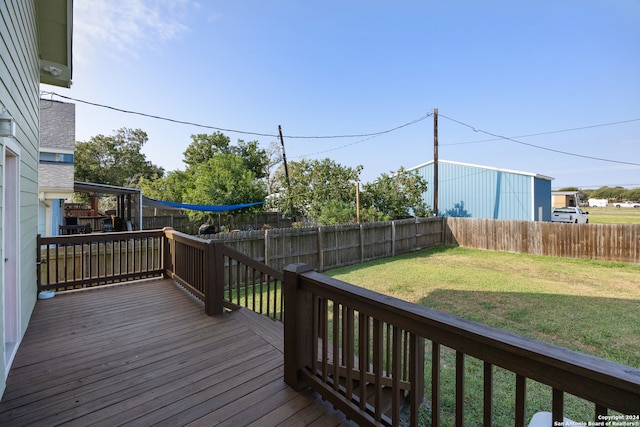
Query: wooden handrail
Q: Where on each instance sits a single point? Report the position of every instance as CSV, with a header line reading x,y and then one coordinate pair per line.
x,y
607,384
86,260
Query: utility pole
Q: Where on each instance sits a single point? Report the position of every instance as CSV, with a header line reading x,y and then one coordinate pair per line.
x,y
286,167
358,202
284,156
435,162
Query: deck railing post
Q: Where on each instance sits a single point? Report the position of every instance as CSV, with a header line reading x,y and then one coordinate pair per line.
x,y
168,252
294,343
214,278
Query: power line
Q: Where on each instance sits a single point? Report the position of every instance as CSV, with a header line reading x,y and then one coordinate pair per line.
x,y
539,146
121,110
546,133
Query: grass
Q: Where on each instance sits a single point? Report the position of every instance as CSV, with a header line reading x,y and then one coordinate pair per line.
x,y
613,215
588,306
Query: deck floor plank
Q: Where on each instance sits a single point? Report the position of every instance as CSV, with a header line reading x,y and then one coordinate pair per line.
x,y
146,354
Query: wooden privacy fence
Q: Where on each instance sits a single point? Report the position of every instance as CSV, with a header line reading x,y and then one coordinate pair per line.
x,y
349,343
607,242
335,246
329,247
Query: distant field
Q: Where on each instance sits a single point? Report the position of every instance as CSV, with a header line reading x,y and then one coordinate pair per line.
x,y
613,215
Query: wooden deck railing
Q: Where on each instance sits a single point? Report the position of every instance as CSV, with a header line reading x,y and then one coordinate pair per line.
x,y
223,277
85,260
341,339
359,349
213,272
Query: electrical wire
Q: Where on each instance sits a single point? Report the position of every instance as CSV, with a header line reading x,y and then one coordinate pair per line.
x,y
371,135
546,133
236,130
538,146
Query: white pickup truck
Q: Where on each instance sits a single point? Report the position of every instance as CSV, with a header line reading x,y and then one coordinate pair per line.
x,y
627,204
570,214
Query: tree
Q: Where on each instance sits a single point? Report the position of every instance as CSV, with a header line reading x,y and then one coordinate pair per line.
x,y
396,196
115,160
204,147
223,180
313,184
169,188
605,192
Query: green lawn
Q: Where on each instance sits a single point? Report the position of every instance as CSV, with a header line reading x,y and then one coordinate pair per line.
x,y
588,306
613,215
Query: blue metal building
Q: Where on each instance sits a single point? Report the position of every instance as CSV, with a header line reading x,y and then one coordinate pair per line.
x,y
473,191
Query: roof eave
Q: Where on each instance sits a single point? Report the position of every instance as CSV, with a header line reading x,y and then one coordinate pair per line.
x,y
55,33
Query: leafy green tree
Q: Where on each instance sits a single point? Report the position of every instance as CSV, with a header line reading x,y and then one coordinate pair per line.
x,y
313,184
337,212
396,196
609,193
115,160
223,180
170,188
204,147
633,194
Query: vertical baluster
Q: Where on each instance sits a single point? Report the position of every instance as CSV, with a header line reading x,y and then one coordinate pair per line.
x,y
263,279
459,389
75,275
488,395
246,285
557,407
377,366
253,287
315,331
406,356
336,345
324,312
396,355
387,347
521,400
239,283
276,297
435,384
416,375
348,333
278,286
363,352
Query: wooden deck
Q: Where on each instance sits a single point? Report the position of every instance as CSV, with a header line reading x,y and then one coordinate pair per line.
x,y
146,354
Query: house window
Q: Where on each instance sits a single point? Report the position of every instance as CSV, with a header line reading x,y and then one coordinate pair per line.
x,y
56,158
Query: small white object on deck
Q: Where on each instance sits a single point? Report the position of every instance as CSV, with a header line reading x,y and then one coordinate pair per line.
x,y
46,294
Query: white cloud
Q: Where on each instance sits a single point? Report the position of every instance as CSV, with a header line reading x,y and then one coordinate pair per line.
x,y
124,28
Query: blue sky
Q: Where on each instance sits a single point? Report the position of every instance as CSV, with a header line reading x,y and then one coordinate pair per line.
x,y
332,68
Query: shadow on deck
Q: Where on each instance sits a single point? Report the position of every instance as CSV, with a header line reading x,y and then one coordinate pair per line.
x,y
145,354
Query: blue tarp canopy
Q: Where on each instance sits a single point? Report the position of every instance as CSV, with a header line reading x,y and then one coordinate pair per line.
x,y
207,208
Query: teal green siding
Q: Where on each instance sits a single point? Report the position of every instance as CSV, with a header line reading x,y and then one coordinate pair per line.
x,y
19,87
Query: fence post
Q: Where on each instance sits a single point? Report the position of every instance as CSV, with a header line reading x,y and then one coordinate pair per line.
x,y
214,278
393,238
294,330
320,250
361,243
266,247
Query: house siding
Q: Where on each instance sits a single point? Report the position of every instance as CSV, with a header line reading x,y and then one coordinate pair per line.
x,y
19,86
